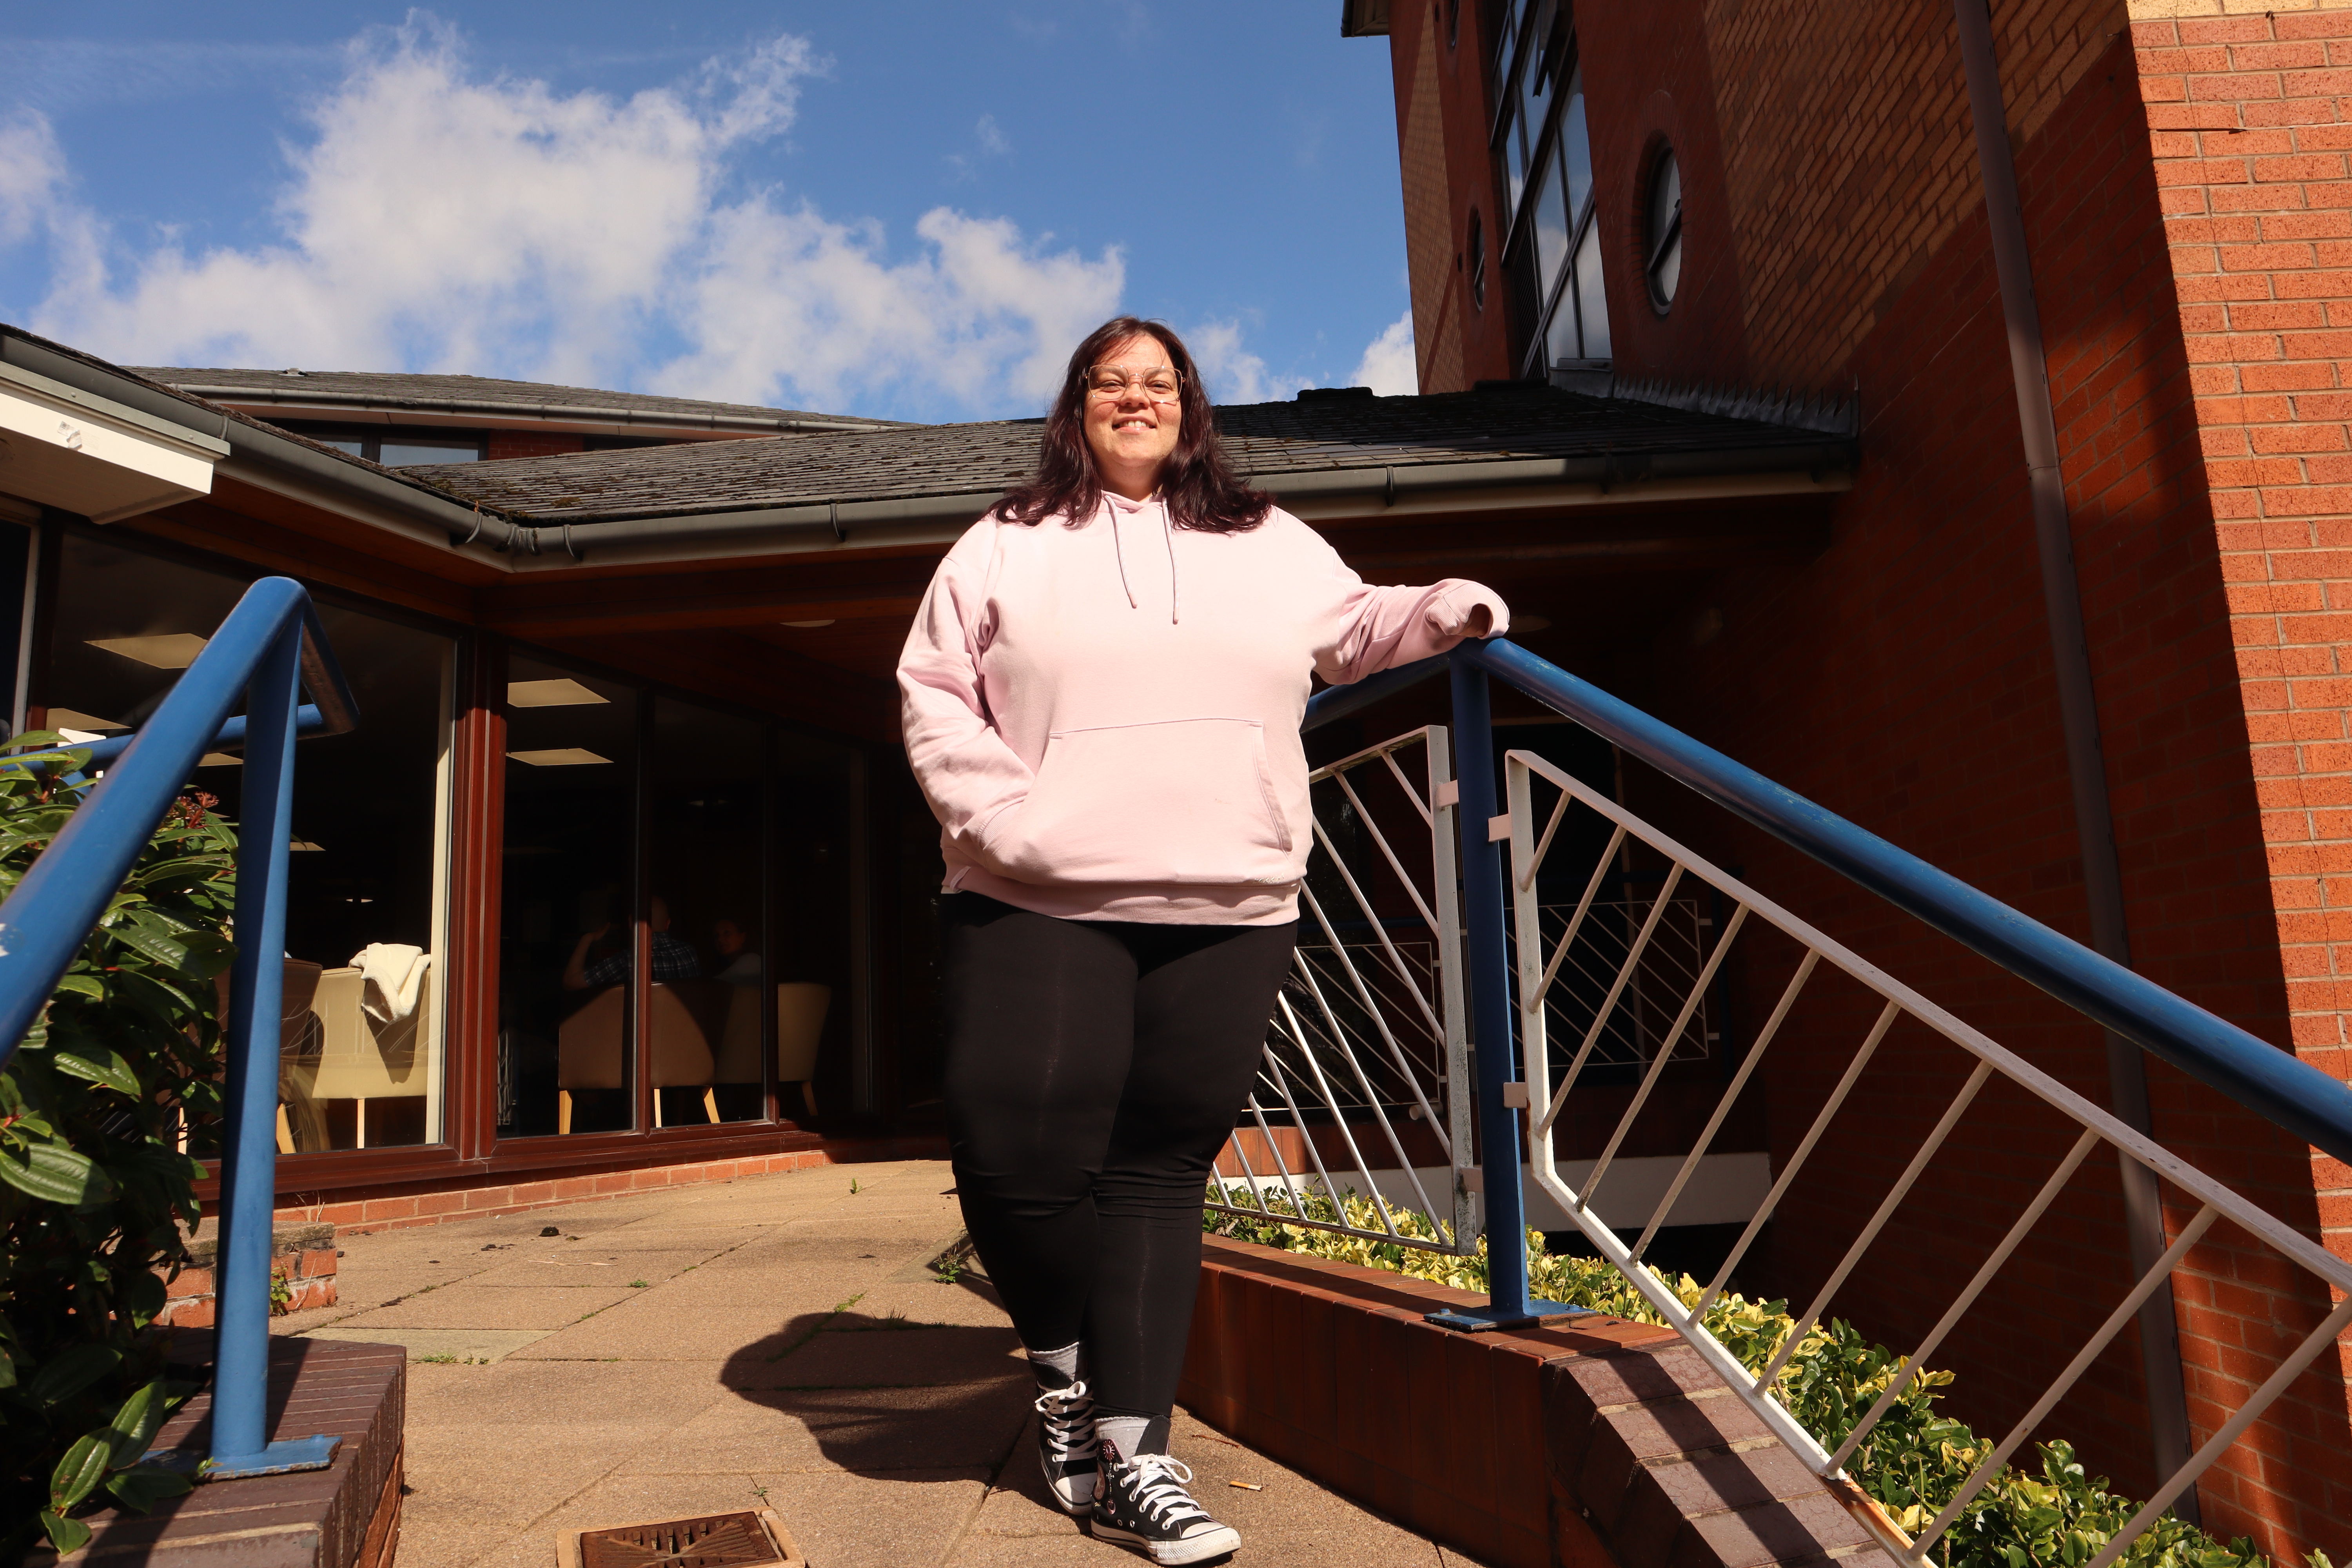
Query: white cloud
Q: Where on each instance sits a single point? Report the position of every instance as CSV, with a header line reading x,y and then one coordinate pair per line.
x,y
993,139
1233,374
794,305
1388,366
440,219
31,174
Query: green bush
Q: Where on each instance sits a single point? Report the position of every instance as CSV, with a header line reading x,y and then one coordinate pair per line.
x,y
93,1186
1914,1461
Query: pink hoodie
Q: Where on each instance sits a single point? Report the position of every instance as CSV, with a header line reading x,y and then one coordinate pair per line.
x,y
1104,714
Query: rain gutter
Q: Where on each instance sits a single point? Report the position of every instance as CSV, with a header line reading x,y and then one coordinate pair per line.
x,y
1810,467
579,413
284,465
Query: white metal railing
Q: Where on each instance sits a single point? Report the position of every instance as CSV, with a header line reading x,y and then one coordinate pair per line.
x,y
1546,951
1369,1030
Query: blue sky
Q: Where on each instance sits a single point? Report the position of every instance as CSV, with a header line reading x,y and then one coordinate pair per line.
x,y
909,210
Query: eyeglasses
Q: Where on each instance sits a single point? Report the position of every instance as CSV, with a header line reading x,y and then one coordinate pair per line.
x,y
1159,383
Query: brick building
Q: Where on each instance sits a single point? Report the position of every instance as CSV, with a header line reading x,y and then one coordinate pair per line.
x,y
1692,201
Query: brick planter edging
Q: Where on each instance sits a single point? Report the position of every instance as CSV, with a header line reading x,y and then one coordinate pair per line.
x,y
1596,1444
302,1254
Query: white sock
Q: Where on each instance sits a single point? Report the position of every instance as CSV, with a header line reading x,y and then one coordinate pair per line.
x,y
1126,1432
1064,1361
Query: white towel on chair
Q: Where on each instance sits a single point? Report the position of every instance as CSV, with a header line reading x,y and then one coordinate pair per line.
x,y
390,973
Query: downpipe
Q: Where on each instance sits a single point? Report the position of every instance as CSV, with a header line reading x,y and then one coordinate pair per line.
x,y
2169,1431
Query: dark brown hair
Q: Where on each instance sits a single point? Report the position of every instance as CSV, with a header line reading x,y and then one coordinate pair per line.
x,y
1200,488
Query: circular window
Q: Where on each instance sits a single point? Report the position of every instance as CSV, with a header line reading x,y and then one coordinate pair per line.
x,y
1662,230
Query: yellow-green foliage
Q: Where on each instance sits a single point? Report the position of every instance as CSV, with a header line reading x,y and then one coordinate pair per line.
x,y
1914,1461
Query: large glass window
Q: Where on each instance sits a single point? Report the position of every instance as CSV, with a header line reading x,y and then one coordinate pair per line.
x,y
366,928
1552,254
571,939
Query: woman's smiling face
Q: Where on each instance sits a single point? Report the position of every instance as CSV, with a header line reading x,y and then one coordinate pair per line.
x,y
1130,434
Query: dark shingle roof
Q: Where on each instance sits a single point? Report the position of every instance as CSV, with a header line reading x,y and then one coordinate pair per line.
x,y
477,393
1315,434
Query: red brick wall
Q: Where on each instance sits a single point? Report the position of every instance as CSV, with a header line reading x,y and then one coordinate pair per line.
x,y
1850,159
531,444
1648,83
1903,678
1448,170
2249,127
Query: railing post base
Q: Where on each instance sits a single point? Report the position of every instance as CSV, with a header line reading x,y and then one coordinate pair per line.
x,y
280,1459
1479,1319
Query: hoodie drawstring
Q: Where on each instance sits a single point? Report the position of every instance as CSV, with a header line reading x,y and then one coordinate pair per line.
x,y
1119,551
1168,532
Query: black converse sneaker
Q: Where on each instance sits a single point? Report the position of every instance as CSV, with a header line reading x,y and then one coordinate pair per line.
x,y
1142,1503
1067,1448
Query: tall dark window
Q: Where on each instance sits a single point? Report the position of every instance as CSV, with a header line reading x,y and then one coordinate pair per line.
x,y
684,907
1551,247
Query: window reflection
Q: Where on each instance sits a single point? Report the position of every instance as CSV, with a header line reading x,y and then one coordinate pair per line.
x,y
366,930
707,788
1554,215
570,938
822,1066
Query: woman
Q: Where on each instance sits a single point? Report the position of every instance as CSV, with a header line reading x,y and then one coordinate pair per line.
x,y
1101,698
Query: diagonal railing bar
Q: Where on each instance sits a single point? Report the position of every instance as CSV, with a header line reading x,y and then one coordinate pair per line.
x,y
1323,1087
1372,827
2227,1435
1282,1082
1576,923
1748,1066
1886,1207
2159,1274
1803,1152
1380,930
1601,1015
1372,1005
1665,1053
1387,755
1543,847
1967,1297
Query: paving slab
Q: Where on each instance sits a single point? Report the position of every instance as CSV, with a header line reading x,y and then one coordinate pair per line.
x,y
469,1305
471,1345
856,1351
788,1344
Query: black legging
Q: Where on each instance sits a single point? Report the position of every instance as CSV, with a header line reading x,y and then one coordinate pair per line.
x,y
1095,1067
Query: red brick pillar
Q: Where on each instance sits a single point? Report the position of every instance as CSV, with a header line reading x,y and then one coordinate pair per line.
x,y
2250,111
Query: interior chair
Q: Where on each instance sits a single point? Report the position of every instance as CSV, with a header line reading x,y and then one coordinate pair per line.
x,y
799,1025
301,1124
588,1053
359,1059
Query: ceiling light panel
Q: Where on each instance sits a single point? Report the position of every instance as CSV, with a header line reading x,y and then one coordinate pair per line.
x,y
173,651
62,719
550,694
559,757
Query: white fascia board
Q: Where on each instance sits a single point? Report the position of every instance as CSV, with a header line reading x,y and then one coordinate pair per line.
x,y
68,448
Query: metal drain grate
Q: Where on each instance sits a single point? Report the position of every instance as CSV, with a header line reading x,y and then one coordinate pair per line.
x,y
746,1540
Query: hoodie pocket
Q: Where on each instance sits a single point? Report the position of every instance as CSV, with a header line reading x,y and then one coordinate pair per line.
x,y
1183,801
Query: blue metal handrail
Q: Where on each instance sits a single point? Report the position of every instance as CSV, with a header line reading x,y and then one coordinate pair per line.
x,y
2270,1082
268,650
